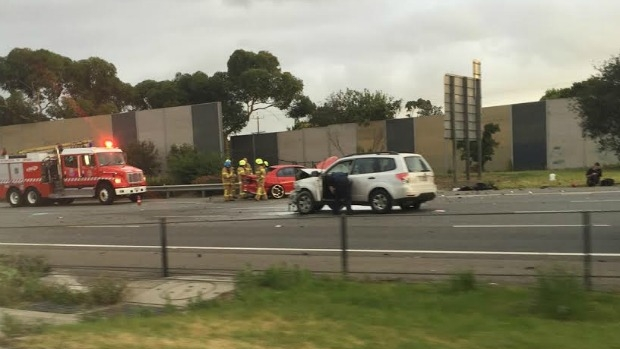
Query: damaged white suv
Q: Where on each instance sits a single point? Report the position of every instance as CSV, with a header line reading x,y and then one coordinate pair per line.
x,y
379,180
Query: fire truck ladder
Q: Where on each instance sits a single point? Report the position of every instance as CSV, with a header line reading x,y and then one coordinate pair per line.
x,y
51,148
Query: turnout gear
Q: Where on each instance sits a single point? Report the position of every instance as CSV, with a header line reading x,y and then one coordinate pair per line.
x,y
228,177
260,181
241,178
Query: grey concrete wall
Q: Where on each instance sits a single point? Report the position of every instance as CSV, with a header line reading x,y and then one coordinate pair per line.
x,y
502,116
342,139
316,145
124,128
400,135
291,147
429,142
566,145
18,137
207,127
529,136
371,137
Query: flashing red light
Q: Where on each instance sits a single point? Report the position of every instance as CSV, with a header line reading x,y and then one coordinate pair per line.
x,y
108,144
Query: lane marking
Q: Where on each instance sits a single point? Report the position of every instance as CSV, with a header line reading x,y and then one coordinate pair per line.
x,y
550,211
526,225
105,226
334,250
526,194
588,201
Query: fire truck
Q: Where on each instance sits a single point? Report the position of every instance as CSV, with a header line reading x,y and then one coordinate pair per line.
x,y
65,172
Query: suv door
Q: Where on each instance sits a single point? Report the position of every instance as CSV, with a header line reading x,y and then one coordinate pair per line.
x,y
362,178
343,166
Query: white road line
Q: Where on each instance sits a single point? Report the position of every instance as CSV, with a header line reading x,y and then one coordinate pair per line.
x,y
550,211
104,226
533,193
526,225
334,250
588,201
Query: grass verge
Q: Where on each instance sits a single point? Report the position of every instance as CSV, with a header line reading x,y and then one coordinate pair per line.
x,y
289,308
527,179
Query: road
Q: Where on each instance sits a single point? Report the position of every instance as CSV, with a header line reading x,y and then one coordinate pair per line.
x,y
470,229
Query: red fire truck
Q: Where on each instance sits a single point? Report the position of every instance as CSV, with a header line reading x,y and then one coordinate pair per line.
x,y
65,172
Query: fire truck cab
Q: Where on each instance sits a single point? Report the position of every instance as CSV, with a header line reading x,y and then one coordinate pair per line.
x,y
63,174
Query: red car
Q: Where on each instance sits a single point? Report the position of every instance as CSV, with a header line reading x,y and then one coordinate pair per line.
x,y
279,181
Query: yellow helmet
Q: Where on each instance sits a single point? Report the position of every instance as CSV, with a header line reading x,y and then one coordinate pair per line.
x,y
259,161
241,162
266,163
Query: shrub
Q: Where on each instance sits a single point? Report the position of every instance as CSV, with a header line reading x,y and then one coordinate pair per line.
x,y
277,278
106,291
145,156
559,295
25,264
186,163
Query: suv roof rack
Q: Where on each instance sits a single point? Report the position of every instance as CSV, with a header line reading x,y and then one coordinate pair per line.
x,y
374,153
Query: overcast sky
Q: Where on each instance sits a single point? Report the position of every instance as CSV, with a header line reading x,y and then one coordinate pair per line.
x,y
401,47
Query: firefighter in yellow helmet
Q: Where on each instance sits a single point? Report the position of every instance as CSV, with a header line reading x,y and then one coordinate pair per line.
x,y
248,167
228,178
241,178
260,180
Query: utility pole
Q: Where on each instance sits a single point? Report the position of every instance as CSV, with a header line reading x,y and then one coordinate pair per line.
x,y
478,80
257,123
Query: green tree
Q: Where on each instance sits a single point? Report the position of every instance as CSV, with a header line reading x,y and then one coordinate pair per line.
x,y
39,75
597,102
555,93
354,106
186,163
17,109
488,146
423,107
145,156
257,81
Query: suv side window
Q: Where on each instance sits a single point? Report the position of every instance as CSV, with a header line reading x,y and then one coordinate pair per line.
x,y
341,167
364,165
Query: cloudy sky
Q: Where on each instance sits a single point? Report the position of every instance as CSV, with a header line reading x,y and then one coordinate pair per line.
x,y
401,47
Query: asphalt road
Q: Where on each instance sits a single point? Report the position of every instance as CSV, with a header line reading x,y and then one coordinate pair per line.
x,y
466,225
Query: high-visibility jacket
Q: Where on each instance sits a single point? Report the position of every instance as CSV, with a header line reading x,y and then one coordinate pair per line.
x,y
240,173
260,174
228,174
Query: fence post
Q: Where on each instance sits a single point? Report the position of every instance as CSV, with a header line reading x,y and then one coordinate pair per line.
x,y
587,250
163,238
344,245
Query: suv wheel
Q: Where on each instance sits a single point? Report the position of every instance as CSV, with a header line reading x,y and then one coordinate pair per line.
x,y
380,201
305,203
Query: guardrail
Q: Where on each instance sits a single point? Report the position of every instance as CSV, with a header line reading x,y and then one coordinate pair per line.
x,y
202,188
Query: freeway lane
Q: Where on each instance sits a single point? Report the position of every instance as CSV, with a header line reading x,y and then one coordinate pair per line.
x,y
559,232
211,222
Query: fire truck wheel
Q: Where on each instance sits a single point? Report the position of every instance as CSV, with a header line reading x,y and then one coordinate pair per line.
x,y
14,197
33,198
105,193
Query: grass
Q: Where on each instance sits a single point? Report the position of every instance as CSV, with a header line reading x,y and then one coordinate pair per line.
x,y
21,285
526,179
289,308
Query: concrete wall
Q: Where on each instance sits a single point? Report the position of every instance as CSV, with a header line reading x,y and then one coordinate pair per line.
x,y
291,147
371,137
400,135
430,143
566,145
315,145
501,115
17,137
342,139
207,127
529,136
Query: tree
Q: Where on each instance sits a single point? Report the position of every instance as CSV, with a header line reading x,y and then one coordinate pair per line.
x,y
555,93
145,156
186,163
488,146
597,103
17,109
423,107
257,81
350,106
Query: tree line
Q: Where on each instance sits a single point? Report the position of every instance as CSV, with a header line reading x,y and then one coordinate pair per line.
x,y
40,85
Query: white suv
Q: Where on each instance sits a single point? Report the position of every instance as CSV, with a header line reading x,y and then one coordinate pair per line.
x,y
380,180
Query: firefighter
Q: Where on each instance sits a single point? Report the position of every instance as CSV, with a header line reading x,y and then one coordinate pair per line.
x,y
228,177
260,180
241,178
248,167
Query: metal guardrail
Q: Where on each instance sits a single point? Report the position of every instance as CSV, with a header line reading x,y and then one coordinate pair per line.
x,y
202,188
